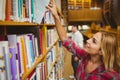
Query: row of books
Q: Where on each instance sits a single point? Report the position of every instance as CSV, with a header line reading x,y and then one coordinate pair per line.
x,y
17,54
19,51
23,10
52,36
54,63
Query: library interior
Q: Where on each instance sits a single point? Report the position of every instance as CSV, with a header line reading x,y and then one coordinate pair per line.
x,y
30,47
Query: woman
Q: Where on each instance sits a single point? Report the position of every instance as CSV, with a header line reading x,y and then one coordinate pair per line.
x,y
100,59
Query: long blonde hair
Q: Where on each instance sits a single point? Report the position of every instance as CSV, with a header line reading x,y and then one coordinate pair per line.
x,y
109,48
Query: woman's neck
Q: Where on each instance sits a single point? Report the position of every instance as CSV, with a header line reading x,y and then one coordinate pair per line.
x,y
95,59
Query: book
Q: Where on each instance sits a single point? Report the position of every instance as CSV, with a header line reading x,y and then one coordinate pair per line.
x,y
32,46
2,64
5,52
41,41
2,9
24,55
15,10
2,74
8,10
12,41
13,63
20,57
32,75
40,9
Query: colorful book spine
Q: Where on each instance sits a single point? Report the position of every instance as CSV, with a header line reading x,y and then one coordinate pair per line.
x,y
8,10
32,46
32,75
19,61
41,39
7,59
24,55
20,58
13,63
32,10
2,63
15,10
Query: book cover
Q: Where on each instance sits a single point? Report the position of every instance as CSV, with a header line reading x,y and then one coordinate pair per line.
x,y
24,55
2,63
20,57
8,10
15,10
2,9
2,74
27,44
40,8
32,46
13,63
5,50
12,41
19,66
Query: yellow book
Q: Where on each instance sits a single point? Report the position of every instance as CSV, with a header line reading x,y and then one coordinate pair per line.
x,y
24,55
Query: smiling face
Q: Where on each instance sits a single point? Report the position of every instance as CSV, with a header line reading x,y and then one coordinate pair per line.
x,y
93,44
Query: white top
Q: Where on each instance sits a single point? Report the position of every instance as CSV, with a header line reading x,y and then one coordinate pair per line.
x,y
77,37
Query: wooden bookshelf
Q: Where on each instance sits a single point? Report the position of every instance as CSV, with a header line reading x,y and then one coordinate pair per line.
x,y
12,27
37,61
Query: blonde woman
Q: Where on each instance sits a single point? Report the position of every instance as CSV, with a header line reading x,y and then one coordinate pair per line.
x,y
100,59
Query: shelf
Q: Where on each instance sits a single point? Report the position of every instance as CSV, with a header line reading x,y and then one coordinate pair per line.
x,y
48,25
37,61
11,23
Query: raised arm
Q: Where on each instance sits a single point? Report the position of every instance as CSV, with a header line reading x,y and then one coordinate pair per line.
x,y
61,32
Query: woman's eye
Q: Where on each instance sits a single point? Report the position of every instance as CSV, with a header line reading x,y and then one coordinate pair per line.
x,y
94,40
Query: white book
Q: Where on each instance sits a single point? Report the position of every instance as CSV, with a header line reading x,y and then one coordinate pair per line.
x,y
38,72
2,9
5,51
27,44
20,55
40,8
15,10
18,74
36,47
2,75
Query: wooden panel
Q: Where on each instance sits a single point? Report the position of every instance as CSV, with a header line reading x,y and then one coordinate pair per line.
x,y
84,15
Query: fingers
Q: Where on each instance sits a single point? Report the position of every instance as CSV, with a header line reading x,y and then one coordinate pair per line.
x,y
50,5
52,1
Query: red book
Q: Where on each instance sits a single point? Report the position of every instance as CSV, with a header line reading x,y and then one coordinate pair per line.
x,y
41,46
8,10
2,37
31,75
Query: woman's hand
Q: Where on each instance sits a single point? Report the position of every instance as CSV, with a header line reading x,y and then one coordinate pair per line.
x,y
52,7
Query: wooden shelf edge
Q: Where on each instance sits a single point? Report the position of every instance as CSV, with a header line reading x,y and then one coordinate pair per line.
x,y
12,23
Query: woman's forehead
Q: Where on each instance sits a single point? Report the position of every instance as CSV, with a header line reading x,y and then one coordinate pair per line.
x,y
97,36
